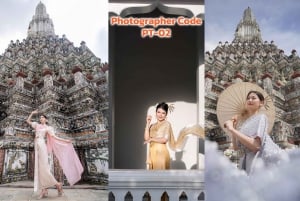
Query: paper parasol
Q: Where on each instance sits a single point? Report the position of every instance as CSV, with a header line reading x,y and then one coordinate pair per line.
x,y
232,101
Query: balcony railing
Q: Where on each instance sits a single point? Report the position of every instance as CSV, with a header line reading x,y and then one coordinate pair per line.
x,y
156,185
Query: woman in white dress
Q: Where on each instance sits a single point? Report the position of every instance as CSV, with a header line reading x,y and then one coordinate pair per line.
x,y
250,133
43,178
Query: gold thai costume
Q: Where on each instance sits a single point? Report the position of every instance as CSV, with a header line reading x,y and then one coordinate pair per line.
x,y
158,155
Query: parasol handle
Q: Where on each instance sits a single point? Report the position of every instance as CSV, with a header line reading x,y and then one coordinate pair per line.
x,y
233,121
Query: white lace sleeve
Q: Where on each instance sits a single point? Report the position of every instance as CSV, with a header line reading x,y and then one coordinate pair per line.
x,y
34,124
262,126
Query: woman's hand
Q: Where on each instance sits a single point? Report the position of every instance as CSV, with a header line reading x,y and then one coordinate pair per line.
x,y
160,140
148,119
68,141
62,139
147,141
231,124
146,133
28,120
35,111
65,140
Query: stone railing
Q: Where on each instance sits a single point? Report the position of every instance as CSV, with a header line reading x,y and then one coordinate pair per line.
x,y
145,185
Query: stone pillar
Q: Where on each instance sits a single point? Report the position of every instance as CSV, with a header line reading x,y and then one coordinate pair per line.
x,y
296,77
31,162
267,83
20,82
120,196
2,157
79,78
137,195
209,77
48,81
174,194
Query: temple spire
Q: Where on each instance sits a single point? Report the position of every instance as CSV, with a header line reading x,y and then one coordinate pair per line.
x,y
247,30
41,24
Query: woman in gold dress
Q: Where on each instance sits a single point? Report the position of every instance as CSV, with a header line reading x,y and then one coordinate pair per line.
x,y
158,135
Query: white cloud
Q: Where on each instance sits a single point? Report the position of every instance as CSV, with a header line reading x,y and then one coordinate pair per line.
x,y
224,181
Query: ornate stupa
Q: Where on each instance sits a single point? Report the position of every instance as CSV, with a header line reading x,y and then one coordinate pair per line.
x,y
248,30
41,24
248,58
67,83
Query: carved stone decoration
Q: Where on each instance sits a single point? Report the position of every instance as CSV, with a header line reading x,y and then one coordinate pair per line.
x,y
79,78
9,130
15,164
97,162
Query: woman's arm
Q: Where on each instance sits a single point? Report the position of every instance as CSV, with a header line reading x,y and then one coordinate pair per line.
x,y
160,140
50,132
28,120
252,144
147,128
234,120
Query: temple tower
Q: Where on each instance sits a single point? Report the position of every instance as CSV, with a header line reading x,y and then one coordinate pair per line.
x,y
41,24
247,30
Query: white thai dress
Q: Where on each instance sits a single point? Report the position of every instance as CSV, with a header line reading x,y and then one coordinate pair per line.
x,y
64,152
43,178
269,153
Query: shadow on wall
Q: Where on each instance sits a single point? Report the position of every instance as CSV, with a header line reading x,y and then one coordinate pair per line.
x,y
178,163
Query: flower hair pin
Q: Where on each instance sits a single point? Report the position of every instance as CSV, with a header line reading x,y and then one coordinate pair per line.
x,y
171,107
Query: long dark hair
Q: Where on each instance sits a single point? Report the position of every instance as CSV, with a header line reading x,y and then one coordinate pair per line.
x,y
259,95
163,106
42,115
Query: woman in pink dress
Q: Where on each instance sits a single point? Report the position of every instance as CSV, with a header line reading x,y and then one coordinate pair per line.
x,y
63,150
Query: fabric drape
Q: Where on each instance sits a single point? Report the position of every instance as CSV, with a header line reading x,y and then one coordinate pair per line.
x,y
65,153
67,157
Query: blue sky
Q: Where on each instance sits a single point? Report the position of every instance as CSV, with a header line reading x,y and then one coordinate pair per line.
x,y
79,20
279,20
